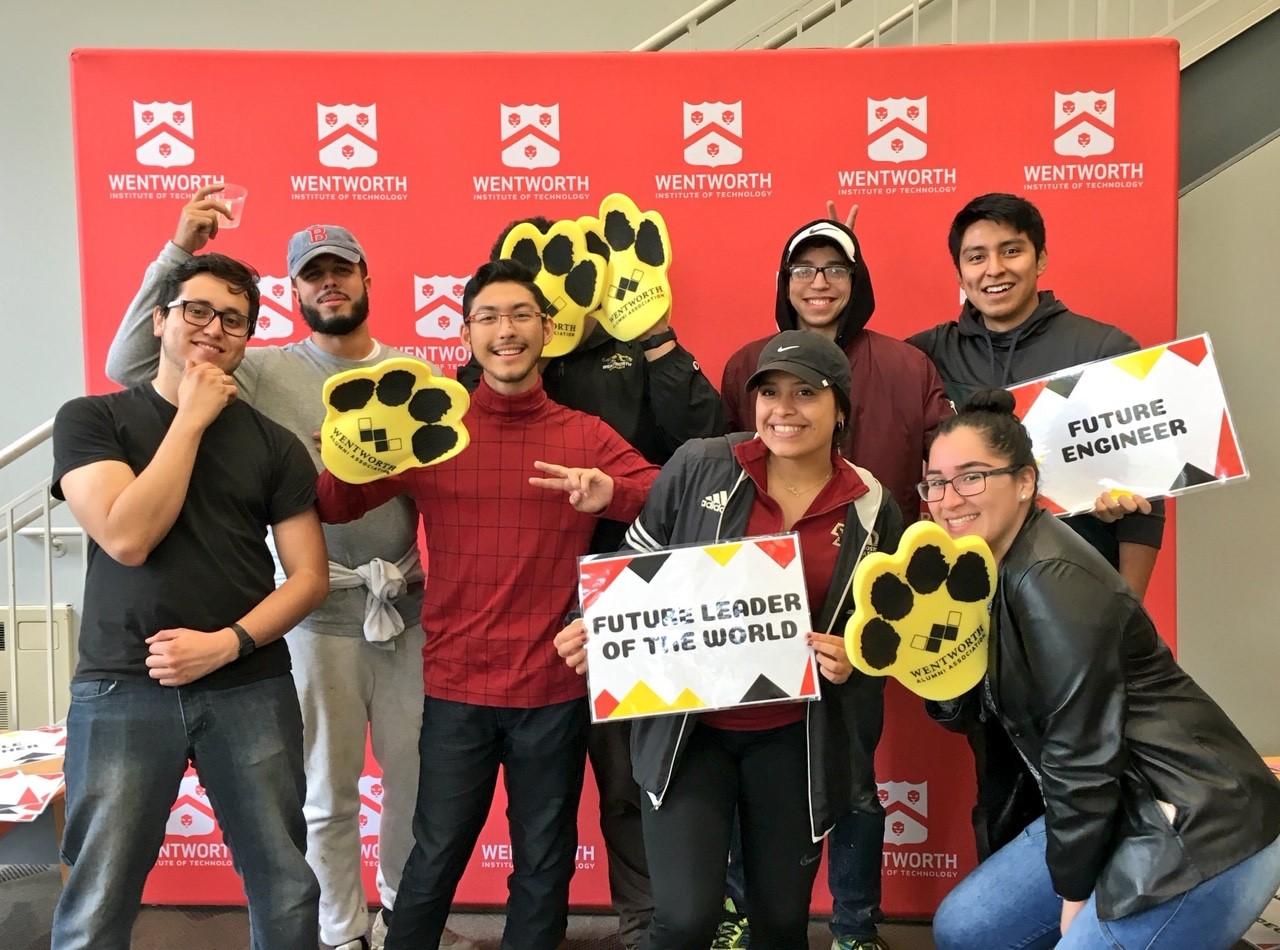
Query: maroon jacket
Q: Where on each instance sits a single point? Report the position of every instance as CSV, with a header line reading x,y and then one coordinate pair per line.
x,y
898,398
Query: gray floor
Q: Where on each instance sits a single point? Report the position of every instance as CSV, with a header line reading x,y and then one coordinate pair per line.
x,y
27,896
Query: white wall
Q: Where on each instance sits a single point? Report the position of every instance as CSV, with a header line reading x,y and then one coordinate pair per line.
x,y
1229,591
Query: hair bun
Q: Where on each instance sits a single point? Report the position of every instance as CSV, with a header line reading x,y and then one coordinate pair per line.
x,y
998,401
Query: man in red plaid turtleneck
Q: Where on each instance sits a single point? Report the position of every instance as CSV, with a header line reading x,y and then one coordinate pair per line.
x,y
503,546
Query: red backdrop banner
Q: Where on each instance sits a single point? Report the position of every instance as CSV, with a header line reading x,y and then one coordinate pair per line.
x,y
427,156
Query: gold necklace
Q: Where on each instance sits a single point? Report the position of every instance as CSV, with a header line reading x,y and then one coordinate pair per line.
x,y
804,491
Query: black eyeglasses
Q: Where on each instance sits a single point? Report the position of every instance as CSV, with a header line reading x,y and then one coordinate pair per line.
x,y
200,314
832,272
966,484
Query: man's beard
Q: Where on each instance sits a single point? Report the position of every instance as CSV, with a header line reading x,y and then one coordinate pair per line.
x,y
338,326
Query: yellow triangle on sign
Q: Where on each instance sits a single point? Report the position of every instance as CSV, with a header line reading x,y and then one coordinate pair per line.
x,y
688,699
1139,364
640,700
723,553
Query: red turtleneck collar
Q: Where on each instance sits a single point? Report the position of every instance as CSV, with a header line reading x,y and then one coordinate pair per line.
x,y
523,404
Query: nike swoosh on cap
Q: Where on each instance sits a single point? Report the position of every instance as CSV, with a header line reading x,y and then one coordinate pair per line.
x,y
783,349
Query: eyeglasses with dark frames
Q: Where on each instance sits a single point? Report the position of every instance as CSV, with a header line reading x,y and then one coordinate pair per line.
x,y
832,272
966,484
200,314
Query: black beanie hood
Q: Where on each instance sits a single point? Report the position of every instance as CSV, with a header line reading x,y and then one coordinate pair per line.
x,y
862,301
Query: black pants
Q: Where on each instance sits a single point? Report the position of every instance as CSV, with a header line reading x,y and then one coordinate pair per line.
x,y
765,775
609,746
543,755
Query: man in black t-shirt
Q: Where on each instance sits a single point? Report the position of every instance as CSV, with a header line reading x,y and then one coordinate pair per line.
x,y
176,483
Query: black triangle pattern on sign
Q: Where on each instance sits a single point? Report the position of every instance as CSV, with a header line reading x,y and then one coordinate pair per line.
x,y
1064,385
763,690
1190,475
648,565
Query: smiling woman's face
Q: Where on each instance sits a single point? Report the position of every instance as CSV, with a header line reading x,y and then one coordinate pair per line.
x,y
995,513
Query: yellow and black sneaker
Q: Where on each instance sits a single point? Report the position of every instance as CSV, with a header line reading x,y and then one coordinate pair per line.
x,y
734,931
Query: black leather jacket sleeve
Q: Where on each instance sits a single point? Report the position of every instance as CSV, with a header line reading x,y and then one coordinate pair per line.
x,y
1069,624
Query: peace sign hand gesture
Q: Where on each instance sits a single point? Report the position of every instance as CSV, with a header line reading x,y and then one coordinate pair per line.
x,y
590,490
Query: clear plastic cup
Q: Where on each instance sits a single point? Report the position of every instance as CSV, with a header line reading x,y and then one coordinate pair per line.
x,y
233,197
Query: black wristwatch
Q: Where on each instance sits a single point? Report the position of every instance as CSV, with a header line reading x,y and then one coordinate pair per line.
x,y
655,341
247,643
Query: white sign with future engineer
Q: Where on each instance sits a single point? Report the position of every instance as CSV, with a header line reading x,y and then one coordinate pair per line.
x,y
1153,422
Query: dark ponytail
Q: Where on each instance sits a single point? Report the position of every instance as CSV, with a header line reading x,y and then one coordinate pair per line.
x,y
990,411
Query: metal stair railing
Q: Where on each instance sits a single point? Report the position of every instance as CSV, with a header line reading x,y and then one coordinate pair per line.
x,y
799,17
38,505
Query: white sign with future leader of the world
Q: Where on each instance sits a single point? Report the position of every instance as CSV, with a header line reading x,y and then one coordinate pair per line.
x,y
696,628
1153,422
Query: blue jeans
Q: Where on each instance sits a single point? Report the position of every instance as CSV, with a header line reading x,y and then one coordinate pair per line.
x,y
854,856
128,744
1009,901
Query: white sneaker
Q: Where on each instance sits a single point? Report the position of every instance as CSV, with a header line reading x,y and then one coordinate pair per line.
x,y
356,944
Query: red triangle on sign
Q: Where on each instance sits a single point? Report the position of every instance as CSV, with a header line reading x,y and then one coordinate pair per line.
x,y
1229,464
28,798
808,687
605,704
1024,397
1193,351
1049,505
781,550
596,576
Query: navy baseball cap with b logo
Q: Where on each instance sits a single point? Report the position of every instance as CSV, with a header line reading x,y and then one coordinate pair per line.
x,y
322,239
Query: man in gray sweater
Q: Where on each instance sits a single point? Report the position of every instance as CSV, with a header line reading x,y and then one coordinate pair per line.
x,y
357,659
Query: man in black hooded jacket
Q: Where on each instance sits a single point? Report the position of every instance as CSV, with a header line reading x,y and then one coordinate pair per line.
x,y
824,287
1010,331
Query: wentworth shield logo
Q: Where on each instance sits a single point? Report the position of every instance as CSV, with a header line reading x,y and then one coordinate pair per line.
x,y
906,807
165,132
1083,123
347,134
530,135
275,312
370,806
437,301
713,133
191,815
896,129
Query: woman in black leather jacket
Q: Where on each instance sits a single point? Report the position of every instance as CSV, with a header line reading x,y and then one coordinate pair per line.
x,y
1161,822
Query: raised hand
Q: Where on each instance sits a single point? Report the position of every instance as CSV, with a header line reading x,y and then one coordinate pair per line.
x,y
590,490
849,219
198,221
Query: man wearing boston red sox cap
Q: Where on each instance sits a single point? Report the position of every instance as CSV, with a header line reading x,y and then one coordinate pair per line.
x,y
357,658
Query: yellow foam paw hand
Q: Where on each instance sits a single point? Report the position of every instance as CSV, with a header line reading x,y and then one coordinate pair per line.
x,y
390,417
923,614
571,276
637,293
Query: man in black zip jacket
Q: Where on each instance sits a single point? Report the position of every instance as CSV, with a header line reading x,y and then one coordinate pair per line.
x,y
652,392
1010,331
